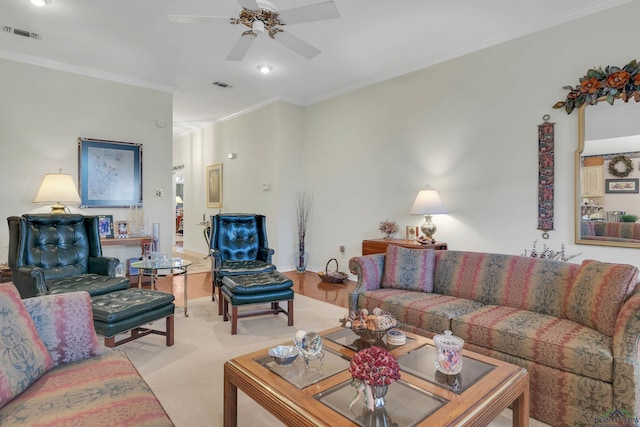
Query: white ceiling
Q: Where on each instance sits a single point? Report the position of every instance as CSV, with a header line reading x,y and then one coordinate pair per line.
x,y
132,41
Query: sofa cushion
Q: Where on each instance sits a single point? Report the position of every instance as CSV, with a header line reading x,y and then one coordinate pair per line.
x,y
406,268
23,356
598,293
534,284
102,391
548,340
65,325
427,311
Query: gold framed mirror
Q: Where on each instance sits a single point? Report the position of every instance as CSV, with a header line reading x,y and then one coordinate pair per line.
x,y
607,172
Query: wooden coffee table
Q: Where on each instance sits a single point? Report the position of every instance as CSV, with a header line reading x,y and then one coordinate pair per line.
x,y
319,395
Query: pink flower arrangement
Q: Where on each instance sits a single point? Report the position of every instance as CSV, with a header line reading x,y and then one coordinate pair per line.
x,y
375,366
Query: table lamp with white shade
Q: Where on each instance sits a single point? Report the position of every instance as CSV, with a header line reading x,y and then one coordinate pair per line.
x,y
59,189
428,203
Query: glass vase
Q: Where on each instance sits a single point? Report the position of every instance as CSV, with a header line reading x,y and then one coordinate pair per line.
x,y
379,392
301,260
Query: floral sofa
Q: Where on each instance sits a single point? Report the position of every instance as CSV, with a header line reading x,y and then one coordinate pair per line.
x,y
610,231
575,328
54,371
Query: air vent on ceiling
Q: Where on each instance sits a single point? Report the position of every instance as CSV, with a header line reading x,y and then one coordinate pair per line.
x,y
221,84
19,32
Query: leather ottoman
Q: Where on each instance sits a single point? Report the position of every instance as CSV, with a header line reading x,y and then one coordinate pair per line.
x,y
271,287
129,309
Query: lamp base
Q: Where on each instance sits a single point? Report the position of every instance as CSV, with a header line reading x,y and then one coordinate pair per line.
x,y
58,208
428,228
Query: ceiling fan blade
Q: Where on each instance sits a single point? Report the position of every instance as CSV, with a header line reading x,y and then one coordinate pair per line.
x,y
310,13
192,19
241,47
295,44
249,4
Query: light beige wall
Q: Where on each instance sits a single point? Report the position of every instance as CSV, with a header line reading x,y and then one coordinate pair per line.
x,y
42,114
267,145
467,127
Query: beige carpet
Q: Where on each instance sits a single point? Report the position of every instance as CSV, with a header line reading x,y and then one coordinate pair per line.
x,y
188,377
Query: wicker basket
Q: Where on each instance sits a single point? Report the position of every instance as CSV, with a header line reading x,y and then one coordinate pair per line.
x,y
332,276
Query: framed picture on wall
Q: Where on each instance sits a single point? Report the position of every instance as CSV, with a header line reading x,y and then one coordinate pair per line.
x,y
624,185
110,173
214,186
105,226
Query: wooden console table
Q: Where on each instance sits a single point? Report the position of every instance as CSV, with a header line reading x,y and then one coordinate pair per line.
x,y
129,241
379,246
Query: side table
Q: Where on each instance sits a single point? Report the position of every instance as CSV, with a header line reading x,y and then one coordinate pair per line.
x,y
379,246
172,267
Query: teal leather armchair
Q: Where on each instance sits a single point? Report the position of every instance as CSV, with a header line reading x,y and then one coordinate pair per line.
x,y
238,246
55,253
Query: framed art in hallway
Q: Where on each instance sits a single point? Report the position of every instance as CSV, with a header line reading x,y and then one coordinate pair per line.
x,y
214,186
625,185
109,173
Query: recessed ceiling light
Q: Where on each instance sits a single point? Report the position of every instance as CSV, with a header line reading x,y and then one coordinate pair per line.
x,y
40,3
265,69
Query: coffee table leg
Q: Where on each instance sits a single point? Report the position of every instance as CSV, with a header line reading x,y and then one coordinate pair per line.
x,y
230,413
520,409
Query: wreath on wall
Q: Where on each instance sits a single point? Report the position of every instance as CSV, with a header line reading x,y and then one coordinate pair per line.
x,y
628,166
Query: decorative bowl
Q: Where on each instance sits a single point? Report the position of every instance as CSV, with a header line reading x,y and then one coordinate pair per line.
x,y
370,335
284,355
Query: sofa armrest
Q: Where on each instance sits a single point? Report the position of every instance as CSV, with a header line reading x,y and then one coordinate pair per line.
x,y
29,281
626,365
65,325
104,266
369,269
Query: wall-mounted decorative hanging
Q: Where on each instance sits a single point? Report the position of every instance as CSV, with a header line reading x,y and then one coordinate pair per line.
x,y
110,173
214,186
546,177
608,84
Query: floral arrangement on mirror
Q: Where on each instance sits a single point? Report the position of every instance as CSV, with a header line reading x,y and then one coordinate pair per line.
x,y
549,254
373,367
608,84
388,228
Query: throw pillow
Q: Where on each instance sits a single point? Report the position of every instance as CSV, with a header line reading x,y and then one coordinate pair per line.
x,y
598,293
65,324
410,269
23,356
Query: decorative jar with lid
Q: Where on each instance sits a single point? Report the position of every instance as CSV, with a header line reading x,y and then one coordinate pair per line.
x,y
448,353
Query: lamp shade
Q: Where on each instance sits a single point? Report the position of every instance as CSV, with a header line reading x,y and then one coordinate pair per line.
x,y
428,203
57,188
178,200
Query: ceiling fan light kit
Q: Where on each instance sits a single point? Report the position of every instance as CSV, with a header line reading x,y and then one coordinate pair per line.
x,y
261,16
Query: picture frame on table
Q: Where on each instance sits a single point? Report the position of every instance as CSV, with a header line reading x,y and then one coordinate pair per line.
x,y
411,232
122,229
105,226
623,185
110,173
214,186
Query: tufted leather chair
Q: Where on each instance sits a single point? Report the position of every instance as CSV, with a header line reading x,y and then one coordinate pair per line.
x,y
55,253
238,246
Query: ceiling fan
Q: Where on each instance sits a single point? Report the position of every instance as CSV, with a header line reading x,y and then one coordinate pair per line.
x,y
262,16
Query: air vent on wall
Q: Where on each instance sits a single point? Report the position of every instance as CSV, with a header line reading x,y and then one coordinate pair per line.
x,y
221,84
19,32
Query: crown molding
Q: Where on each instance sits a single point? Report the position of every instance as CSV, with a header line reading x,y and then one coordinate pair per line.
x,y
89,72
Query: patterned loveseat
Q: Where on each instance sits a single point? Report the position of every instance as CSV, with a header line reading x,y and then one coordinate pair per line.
x,y
575,328
54,372
610,231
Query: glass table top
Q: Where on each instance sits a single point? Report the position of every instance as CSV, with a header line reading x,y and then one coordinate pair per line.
x,y
302,376
347,338
421,363
161,263
405,405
